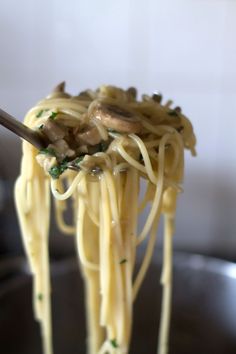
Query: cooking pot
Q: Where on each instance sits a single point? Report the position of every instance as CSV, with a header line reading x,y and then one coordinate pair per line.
x,y
203,316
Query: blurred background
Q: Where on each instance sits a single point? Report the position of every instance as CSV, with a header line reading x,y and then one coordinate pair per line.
x,y
183,48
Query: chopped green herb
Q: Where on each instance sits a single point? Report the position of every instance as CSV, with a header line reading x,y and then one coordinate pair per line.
x,y
41,126
48,151
114,343
124,260
40,113
56,171
173,113
40,297
64,164
53,115
78,160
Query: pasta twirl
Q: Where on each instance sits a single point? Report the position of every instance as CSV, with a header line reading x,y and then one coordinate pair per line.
x,y
101,145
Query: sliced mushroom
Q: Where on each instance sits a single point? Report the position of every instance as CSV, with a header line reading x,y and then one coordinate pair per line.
x,y
108,91
53,131
131,93
59,91
83,149
89,136
83,95
146,98
115,117
62,149
60,87
157,97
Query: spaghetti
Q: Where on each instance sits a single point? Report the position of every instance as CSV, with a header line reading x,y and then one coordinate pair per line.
x,y
101,144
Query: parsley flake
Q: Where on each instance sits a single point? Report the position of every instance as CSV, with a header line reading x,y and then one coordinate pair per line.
x,y
40,297
78,160
57,170
114,343
53,115
40,113
48,151
124,260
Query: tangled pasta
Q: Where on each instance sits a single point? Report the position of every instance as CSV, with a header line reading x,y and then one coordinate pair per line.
x,y
100,145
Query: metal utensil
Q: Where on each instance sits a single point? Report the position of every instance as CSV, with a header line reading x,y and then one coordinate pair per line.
x,y
32,136
22,130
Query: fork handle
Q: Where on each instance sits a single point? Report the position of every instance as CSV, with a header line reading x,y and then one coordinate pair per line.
x,y
22,130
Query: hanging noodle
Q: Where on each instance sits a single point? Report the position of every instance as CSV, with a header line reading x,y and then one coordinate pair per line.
x,y
101,144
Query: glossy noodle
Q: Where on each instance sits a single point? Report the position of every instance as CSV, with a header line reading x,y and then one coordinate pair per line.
x,y
102,147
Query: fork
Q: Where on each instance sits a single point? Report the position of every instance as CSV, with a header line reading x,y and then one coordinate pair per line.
x,y
20,129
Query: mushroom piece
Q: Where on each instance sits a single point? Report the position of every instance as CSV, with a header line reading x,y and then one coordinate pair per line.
x,y
53,131
157,97
83,95
131,93
62,149
60,87
59,91
115,117
88,136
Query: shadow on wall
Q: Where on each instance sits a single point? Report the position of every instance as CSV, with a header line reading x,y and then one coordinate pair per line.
x,y
205,223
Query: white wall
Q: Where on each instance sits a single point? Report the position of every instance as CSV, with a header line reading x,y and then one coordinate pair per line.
x,y
183,48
